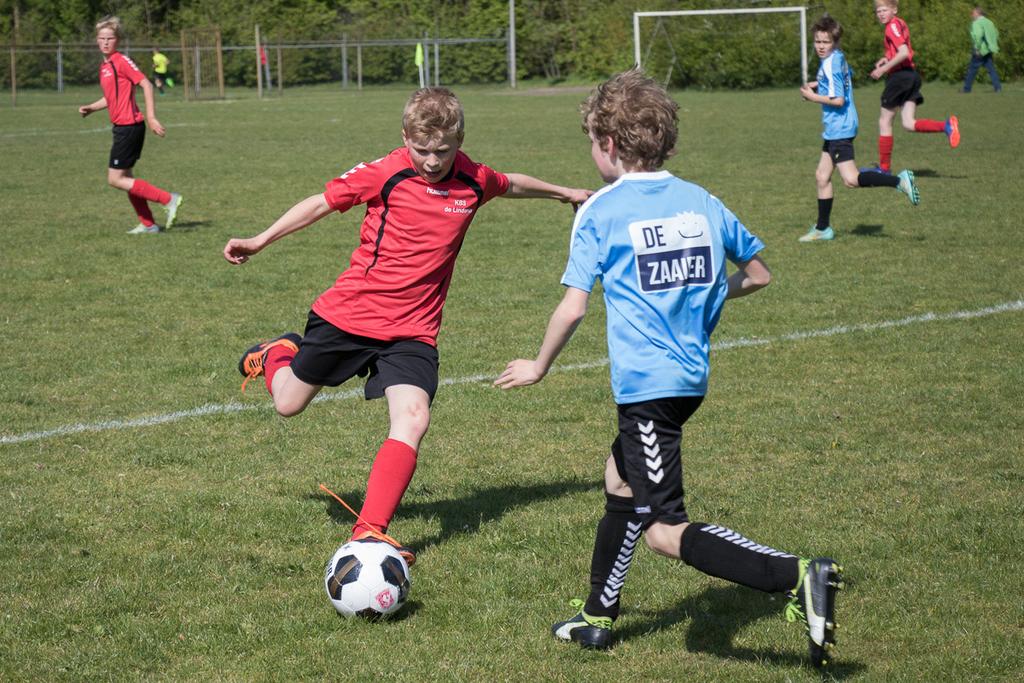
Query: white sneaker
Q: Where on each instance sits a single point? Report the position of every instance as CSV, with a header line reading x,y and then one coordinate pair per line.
x,y
172,210
141,229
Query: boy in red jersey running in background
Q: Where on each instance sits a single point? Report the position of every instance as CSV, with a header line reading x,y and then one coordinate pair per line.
x,y
118,77
902,86
382,315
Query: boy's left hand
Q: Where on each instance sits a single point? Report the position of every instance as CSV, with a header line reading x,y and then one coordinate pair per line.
x,y
519,373
155,126
577,196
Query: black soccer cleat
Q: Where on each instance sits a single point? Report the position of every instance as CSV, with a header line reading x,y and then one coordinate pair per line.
x,y
590,632
814,601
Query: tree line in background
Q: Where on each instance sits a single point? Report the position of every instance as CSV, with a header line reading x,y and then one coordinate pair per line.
x,y
555,39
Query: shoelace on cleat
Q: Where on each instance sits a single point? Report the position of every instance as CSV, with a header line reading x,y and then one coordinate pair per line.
x,y
252,370
794,612
376,533
600,622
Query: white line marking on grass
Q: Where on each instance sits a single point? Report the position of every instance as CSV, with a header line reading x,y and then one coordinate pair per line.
x,y
229,408
36,132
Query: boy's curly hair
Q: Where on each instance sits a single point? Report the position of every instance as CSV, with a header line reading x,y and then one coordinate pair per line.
x,y
432,112
637,114
111,22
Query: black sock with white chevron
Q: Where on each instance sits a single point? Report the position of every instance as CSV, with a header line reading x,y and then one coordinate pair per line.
x,y
618,534
726,554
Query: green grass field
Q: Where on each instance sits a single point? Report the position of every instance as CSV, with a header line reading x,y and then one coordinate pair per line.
x,y
157,524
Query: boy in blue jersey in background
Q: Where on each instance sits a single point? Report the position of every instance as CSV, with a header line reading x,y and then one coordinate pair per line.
x,y
659,245
834,92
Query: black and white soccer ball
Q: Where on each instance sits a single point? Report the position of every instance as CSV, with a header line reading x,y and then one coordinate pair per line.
x,y
368,579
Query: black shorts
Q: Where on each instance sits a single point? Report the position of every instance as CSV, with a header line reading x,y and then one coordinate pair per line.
x,y
127,147
646,454
839,150
901,87
329,356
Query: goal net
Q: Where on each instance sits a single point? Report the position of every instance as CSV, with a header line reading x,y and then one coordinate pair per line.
x,y
202,64
726,48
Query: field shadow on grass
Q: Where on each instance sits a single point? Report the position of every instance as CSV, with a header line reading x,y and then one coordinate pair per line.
x,y
869,230
188,226
465,514
716,616
932,173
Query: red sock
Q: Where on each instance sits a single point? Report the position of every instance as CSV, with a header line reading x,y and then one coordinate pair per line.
x,y
277,357
390,476
929,126
140,188
885,152
142,210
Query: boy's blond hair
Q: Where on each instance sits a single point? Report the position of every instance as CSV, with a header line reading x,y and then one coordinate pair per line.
x,y
638,115
895,4
111,22
433,112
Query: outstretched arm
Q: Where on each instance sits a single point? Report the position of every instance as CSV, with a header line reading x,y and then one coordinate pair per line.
x,y
305,213
524,186
749,277
98,105
565,319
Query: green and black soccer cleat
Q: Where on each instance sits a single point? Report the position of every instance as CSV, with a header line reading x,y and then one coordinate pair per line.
x,y
814,601
590,632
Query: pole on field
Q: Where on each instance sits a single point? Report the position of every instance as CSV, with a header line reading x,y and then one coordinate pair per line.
x,y
280,71
344,61
60,66
259,64
14,59
359,65
437,63
512,43
184,69
803,42
220,66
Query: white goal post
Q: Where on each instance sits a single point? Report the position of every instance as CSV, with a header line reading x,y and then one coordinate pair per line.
x,y
802,11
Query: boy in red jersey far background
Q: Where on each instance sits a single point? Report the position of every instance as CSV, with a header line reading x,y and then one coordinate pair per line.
x,y
381,317
118,77
902,86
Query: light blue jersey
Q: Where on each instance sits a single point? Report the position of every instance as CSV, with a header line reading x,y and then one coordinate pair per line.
x,y
658,244
835,79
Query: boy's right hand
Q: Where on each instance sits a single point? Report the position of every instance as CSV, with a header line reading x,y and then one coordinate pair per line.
x,y
238,251
84,110
519,373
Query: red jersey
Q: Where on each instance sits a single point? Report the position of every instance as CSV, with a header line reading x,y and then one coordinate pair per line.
x,y
118,78
897,33
398,276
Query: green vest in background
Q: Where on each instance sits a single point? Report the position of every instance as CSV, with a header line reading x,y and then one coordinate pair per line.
x,y
160,63
985,36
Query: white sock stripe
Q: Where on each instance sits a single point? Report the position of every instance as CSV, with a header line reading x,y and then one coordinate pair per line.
x,y
742,541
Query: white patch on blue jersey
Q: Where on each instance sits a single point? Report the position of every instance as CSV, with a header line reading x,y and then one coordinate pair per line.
x,y
672,252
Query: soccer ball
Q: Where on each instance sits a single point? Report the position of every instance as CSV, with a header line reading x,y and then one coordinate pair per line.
x,y
368,579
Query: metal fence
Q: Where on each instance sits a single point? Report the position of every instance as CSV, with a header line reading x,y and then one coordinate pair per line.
x,y
351,63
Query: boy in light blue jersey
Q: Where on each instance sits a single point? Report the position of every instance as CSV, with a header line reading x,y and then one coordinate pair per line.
x,y
834,92
659,246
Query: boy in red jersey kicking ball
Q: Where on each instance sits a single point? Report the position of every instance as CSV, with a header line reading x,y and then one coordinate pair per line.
x,y
902,86
118,78
381,316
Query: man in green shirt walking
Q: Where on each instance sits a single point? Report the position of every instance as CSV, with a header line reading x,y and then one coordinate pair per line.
x,y
985,43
